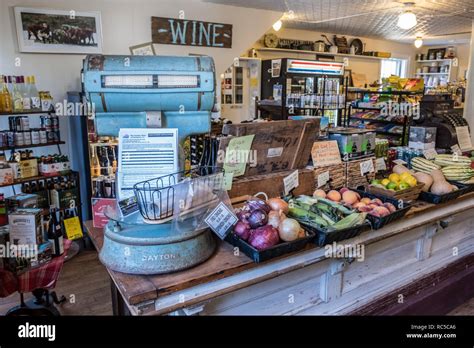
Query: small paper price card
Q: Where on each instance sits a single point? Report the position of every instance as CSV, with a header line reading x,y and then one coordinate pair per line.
x,y
290,182
456,150
399,161
323,179
380,164
73,228
430,154
221,220
366,167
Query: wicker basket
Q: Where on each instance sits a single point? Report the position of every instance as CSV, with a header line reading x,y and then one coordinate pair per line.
x,y
337,177
408,195
354,179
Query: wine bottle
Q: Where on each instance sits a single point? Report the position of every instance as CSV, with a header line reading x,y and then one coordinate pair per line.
x,y
95,164
55,234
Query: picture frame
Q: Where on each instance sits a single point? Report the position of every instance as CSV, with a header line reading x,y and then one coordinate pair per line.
x,y
146,49
58,31
435,51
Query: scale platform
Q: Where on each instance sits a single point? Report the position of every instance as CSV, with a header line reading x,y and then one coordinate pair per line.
x,y
132,246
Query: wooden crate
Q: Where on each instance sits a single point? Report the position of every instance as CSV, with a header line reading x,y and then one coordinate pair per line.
x,y
407,195
272,184
337,177
354,178
280,145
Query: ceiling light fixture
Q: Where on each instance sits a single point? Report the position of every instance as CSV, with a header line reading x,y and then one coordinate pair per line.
x,y
277,25
407,20
418,42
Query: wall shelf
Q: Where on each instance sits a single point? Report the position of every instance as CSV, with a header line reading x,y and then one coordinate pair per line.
x,y
286,50
3,148
36,178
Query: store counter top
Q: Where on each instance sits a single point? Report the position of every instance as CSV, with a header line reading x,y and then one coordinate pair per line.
x,y
214,286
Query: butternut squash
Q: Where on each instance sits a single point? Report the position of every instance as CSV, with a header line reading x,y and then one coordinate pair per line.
x,y
399,169
425,179
440,185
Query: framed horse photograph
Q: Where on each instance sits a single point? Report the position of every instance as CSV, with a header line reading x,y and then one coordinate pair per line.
x,y
58,31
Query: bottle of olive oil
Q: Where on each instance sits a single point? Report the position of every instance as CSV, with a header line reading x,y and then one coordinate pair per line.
x,y
6,103
17,95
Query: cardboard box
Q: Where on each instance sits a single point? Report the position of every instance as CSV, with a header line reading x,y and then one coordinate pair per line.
x,y
99,206
52,169
368,144
6,176
349,140
26,227
25,169
22,200
422,138
65,199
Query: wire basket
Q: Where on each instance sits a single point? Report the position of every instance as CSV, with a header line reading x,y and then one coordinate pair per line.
x,y
179,194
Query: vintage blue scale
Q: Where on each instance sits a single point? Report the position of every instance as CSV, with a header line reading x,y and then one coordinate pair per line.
x,y
153,92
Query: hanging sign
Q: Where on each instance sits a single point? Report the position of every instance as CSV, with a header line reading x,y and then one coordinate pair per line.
x,y
187,32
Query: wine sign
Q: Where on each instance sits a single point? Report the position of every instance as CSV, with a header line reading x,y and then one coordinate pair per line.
x,y
173,31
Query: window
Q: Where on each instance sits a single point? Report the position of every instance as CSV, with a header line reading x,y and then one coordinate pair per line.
x,y
393,66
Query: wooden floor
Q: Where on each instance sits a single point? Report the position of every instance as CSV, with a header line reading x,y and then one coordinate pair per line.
x,y
82,279
85,280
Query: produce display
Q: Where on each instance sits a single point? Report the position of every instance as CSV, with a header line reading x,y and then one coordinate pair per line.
x,y
326,212
264,223
431,175
353,200
399,180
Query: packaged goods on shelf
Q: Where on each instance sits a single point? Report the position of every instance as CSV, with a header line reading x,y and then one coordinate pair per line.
x,y
22,200
422,138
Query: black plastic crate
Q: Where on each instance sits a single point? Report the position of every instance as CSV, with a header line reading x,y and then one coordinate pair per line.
x,y
322,237
270,253
379,222
438,199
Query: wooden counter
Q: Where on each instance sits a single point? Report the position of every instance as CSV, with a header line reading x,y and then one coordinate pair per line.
x,y
229,284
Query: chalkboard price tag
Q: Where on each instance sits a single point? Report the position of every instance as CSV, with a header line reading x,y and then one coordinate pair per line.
x,y
221,220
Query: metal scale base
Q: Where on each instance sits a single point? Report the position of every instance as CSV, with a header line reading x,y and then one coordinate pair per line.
x,y
139,248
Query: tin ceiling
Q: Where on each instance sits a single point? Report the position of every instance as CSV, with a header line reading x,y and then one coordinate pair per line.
x,y
441,21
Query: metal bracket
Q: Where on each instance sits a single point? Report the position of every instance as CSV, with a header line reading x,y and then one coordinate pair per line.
x,y
331,281
189,311
153,119
423,244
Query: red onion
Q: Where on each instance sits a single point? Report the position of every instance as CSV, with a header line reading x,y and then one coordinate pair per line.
x,y
258,218
256,203
242,230
243,215
264,237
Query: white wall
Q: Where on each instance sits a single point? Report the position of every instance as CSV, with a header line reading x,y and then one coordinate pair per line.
x,y
125,23
369,67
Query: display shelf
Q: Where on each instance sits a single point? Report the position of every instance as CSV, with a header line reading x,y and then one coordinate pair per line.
x,y
287,50
434,60
389,133
31,112
398,93
376,120
367,108
441,73
36,178
3,148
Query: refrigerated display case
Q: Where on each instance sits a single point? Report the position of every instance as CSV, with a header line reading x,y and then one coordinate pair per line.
x,y
295,87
